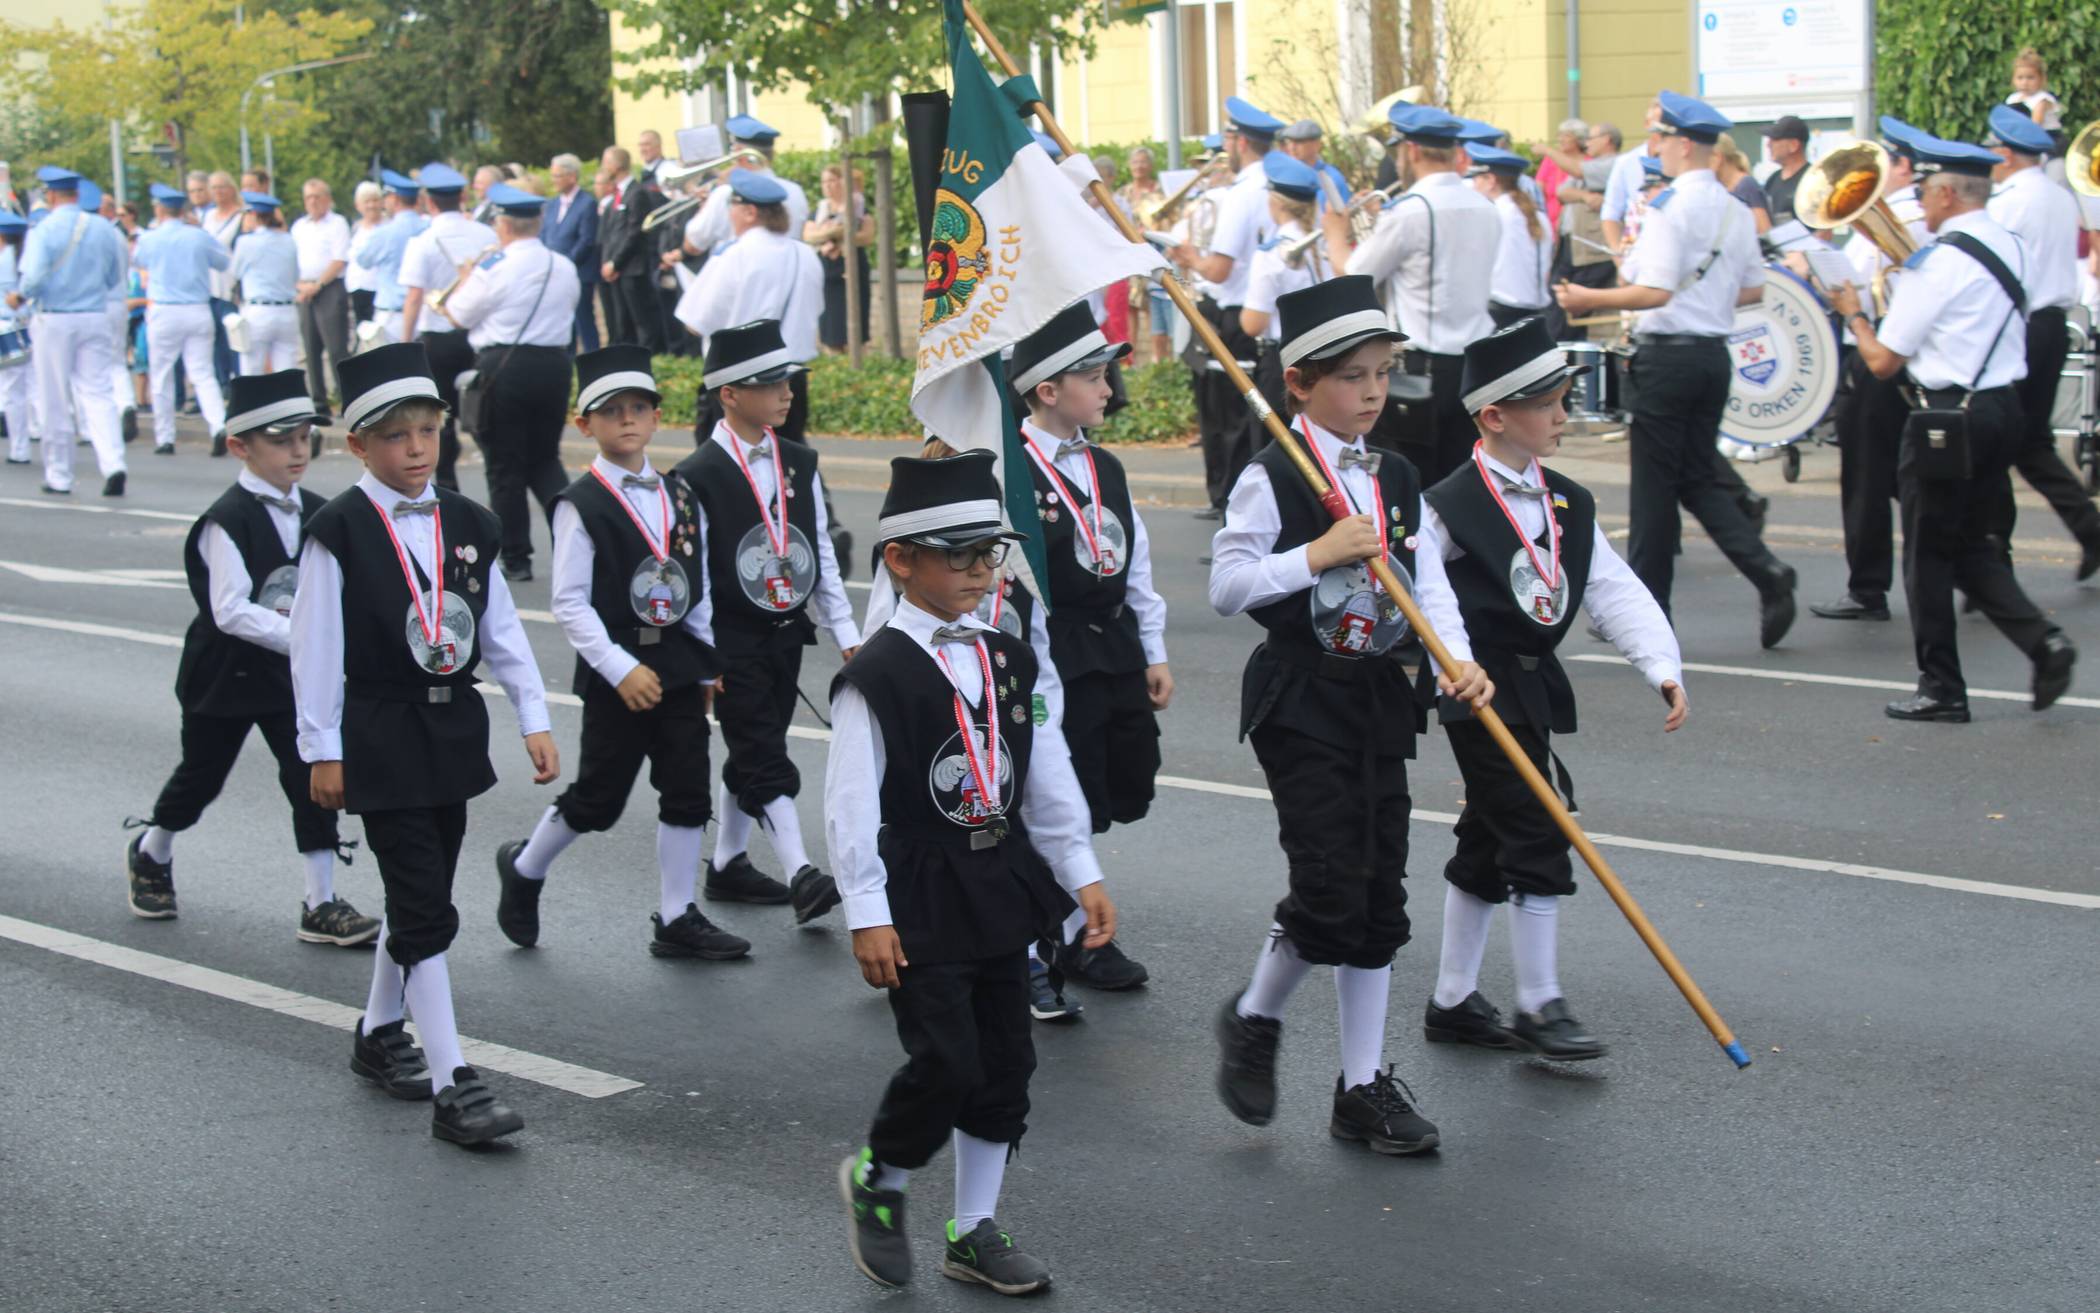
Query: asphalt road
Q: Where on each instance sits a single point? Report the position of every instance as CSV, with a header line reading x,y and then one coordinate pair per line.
x,y
1918,1131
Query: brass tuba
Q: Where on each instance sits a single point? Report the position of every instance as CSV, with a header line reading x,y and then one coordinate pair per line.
x,y
1844,187
2081,163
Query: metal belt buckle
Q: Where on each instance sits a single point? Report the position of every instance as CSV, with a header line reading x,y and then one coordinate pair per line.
x,y
439,694
648,637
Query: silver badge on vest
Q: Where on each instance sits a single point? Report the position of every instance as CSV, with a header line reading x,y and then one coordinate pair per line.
x,y
1352,616
660,593
278,590
772,582
455,642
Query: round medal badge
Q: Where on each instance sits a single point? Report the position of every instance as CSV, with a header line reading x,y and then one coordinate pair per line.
x,y
277,590
659,593
455,644
769,582
1351,616
954,786
1000,612
1543,603
1114,542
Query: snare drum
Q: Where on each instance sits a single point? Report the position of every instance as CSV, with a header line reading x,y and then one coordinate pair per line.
x,y
14,348
1593,392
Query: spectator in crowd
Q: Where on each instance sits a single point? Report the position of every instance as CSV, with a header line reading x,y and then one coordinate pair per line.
x,y
197,185
1622,192
826,230
1787,141
650,147
571,229
323,240
602,191
1143,187
1732,170
223,221
485,177
2030,80
256,180
627,255
360,282
1581,255
1567,145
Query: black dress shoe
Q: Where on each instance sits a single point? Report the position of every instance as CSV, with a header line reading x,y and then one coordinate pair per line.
x,y
1247,1063
1211,513
2089,560
218,443
693,935
113,486
2052,669
1553,1032
741,882
1927,706
1380,1115
1853,607
518,906
467,1112
1775,615
813,894
1105,968
389,1059
57,492
517,572
128,424
1473,1021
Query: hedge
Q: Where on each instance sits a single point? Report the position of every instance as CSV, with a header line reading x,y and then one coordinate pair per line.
x,y
1942,64
874,401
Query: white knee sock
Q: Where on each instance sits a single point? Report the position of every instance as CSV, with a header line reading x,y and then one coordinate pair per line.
x,y
1074,926
1360,996
383,1004
980,1169
886,1177
1466,921
549,837
429,993
158,844
732,828
785,827
320,876
1276,973
678,867
1534,948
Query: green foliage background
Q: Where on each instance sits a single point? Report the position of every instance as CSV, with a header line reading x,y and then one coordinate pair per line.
x,y
1942,64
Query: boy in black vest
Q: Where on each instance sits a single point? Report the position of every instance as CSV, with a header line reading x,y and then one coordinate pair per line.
x,y
775,580
1107,623
1522,549
242,559
630,594
397,605
1329,709
941,815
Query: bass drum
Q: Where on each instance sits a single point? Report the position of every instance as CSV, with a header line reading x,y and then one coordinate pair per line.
x,y
1784,361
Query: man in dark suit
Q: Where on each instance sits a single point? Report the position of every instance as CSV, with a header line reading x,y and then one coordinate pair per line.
x,y
571,229
628,254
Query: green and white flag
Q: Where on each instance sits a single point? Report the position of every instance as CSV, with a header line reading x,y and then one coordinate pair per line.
x,y
1011,242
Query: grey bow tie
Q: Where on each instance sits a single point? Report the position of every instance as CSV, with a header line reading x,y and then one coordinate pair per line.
x,y
758,453
1072,447
1356,456
640,481
281,503
955,634
402,508
1521,489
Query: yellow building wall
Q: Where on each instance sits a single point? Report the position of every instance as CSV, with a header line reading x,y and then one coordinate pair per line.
x,y
1632,49
801,124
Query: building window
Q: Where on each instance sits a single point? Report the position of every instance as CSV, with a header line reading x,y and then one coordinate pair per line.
x,y
1209,69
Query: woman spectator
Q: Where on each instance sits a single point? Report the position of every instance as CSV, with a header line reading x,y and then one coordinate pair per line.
x,y
360,282
826,230
1568,141
1732,170
1144,186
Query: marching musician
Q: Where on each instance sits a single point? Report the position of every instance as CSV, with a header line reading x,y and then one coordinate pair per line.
x,y
14,383
1695,261
178,259
1302,142
1950,330
711,227
386,250
1433,252
518,306
1284,263
266,269
1524,260
429,266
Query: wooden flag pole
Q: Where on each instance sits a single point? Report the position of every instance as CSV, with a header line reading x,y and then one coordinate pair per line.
x,y
1337,505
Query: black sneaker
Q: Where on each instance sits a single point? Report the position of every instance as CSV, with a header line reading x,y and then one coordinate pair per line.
x,y
1553,1032
467,1111
336,922
741,882
1473,1021
1247,1063
152,883
517,572
1044,1002
987,1256
874,1224
813,894
518,906
1105,968
389,1059
693,935
1378,1114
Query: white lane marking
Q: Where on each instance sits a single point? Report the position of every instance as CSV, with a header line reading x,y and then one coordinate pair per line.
x,y
1839,681
542,1070
56,574
1777,860
48,505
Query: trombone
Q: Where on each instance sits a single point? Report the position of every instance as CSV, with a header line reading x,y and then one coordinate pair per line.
x,y
1154,215
444,294
1361,220
675,179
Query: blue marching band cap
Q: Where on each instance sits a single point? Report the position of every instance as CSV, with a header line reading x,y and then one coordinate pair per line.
x,y
743,127
1474,132
261,200
398,183
1290,177
1246,118
1651,168
1933,155
1215,141
53,176
91,195
1494,157
2016,132
163,194
440,177
515,202
1898,137
1692,119
756,188
1426,125
10,222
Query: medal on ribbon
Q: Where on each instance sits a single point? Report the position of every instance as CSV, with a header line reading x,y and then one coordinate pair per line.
x,y
278,590
1102,544
1539,585
775,564
440,638
658,592
1352,614
972,775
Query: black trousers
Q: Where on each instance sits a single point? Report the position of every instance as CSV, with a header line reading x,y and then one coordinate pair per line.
x,y
210,746
1603,273
362,303
1506,842
450,356
418,850
968,1056
1222,418
1343,830
1869,417
528,403
324,322
1505,315
1678,394
1114,735
2048,343
708,413
1437,437
754,709
641,316
671,737
1949,543
616,329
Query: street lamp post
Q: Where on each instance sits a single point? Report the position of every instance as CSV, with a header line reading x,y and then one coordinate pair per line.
x,y
287,71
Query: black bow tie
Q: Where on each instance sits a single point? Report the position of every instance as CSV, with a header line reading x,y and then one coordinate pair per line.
x,y
1357,456
955,634
1513,489
641,481
281,503
1072,447
402,508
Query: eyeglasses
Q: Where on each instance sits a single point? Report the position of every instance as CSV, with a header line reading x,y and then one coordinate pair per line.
x,y
963,559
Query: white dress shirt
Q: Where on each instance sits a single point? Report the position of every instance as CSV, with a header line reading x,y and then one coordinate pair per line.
x,y
1623,187
322,242
357,275
1052,807
1433,254
1139,595
1049,685
1679,235
317,636
1243,224
574,556
1270,277
524,294
1522,262
827,604
1947,314
709,226
230,582
434,256
764,275
2044,216
1614,598
225,229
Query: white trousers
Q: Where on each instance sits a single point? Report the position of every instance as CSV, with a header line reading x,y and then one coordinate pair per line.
x,y
273,338
120,347
72,363
182,332
14,405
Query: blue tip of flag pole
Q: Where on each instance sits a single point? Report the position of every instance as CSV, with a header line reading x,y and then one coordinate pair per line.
x,y
1734,1050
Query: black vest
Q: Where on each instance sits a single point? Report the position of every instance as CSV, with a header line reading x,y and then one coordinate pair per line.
x,y
1516,650
1297,678
618,554
400,749
738,555
221,675
1092,631
952,902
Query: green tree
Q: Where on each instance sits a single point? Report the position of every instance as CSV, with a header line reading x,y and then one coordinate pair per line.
x,y
1942,64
